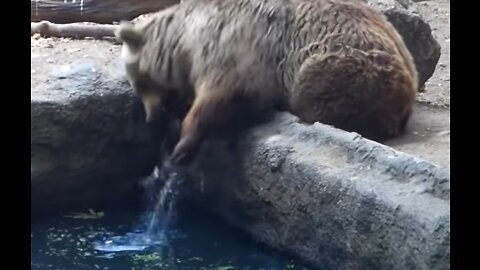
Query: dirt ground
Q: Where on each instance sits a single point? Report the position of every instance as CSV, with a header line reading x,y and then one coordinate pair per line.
x,y
428,132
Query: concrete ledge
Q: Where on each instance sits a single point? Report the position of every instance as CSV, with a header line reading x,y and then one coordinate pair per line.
x,y
89,143
331,198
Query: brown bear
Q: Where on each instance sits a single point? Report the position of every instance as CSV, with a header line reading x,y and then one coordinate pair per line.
x,y
338,62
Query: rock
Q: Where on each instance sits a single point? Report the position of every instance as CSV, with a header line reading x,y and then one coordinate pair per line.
x,y
331,198
416,33
88,148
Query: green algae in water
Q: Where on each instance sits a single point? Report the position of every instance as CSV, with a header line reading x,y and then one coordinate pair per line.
x,y
195,243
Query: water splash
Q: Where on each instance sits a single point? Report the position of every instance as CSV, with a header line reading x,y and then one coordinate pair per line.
x,y
161,216
155,226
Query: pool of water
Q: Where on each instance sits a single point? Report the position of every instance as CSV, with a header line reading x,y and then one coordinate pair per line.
x,y
196,241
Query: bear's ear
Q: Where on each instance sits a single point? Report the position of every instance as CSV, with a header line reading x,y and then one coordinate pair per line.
x,y
127,34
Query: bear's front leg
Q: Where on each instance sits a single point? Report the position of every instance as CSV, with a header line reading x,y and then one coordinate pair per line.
x,y
210,111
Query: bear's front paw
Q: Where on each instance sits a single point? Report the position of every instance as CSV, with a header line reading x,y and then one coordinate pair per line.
x,y
184,152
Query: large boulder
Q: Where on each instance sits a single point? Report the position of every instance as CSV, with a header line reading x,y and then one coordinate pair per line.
x,y
416,33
